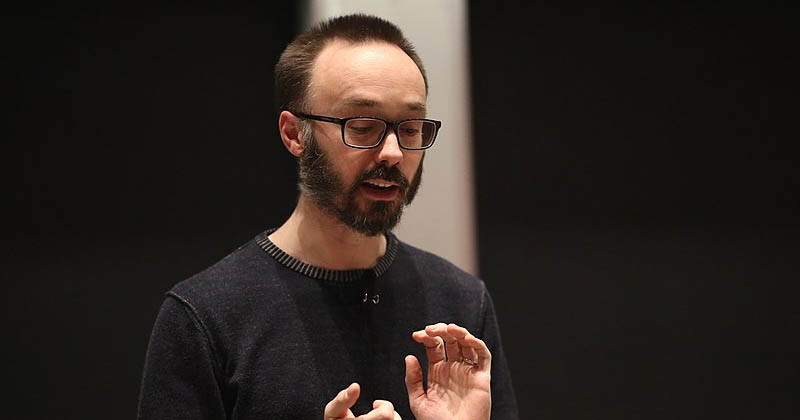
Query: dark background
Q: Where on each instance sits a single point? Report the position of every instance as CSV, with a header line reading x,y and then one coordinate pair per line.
x,y
637,199
636,181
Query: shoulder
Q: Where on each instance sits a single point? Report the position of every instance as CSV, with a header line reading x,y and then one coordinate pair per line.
x,y
233,294
441,291
435,265
440,273
231,282
223,274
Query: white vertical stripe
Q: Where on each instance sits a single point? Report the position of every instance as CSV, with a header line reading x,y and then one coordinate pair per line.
x,y
442,217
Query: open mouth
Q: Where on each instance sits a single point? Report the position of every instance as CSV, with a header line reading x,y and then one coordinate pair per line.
x,y
380,185
380,189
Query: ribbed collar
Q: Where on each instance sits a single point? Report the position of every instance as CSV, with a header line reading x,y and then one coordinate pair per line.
x,y
325,274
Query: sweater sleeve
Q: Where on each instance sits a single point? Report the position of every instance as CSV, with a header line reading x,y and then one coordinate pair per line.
x,y
179,380
504,403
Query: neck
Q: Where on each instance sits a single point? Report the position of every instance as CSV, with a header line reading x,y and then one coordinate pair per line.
x,y
317,238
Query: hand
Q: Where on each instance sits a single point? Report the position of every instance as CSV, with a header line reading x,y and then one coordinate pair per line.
x,y
339,407
459,375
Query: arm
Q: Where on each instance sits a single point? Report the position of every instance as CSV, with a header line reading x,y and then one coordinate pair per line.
x,y
180,379
504,402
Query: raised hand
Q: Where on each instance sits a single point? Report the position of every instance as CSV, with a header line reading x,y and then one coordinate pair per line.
x,y
339,407
459,375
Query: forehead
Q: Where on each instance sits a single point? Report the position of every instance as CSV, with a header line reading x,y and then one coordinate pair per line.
x,y
365,75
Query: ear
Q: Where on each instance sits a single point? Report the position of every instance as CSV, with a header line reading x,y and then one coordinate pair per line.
x,y
289,127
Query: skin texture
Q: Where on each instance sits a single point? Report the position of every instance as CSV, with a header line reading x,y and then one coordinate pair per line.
x,y
366,79
322,185
379,80
459,375
339,407
459,378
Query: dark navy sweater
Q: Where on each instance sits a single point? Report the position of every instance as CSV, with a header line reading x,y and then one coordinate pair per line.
x,y
262,335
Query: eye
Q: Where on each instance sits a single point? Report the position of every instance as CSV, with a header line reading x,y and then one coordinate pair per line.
x,y
361,127
410,128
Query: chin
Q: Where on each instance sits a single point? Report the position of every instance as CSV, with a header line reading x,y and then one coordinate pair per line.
x,y
382,221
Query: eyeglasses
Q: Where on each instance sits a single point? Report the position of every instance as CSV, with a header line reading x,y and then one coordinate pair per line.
x,y
369,132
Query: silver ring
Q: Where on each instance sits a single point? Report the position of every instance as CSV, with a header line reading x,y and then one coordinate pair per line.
x,y
469,361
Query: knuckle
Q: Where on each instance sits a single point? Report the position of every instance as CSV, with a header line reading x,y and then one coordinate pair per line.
x,y
384,405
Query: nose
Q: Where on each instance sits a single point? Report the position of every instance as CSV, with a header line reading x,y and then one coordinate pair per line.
x,y
389,151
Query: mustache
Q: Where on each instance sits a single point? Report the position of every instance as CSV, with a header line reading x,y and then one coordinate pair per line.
x,y
387,174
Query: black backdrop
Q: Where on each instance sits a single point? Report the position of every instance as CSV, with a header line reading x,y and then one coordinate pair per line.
x,y
637,201
147,147
636,197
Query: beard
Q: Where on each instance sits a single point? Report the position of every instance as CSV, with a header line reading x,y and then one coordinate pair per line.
x,y
320,182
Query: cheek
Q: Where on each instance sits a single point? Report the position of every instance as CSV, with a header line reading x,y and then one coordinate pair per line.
x,y
411,164
352,165
345,161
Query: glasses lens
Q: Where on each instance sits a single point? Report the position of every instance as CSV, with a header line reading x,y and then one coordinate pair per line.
x,y
363,132
416,134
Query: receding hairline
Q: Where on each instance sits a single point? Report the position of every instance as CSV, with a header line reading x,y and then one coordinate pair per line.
x,y
356,100
355,43
294,67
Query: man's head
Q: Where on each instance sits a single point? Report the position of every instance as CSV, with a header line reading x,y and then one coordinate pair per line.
x,y
293,70
352,66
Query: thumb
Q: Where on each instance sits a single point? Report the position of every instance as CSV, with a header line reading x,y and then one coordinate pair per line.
x,y
414,380
339,407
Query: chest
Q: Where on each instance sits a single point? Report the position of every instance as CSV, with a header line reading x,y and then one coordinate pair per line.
x,y
299,357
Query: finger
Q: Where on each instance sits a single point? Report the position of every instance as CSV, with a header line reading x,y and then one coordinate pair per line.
x,y
452,349
472,347
434,347
339,407
467,352
381,410
482,351
416,391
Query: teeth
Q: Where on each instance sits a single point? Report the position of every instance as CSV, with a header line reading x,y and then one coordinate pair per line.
x,y
380,184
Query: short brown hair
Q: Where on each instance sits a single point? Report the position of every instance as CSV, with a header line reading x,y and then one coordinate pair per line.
x,y
293,70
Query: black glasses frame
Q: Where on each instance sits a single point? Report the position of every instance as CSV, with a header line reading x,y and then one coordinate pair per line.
x,y
390,125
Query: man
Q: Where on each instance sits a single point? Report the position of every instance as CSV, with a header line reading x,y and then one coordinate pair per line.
x,y
329,314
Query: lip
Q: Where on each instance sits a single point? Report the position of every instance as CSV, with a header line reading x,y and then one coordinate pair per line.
x,y
382,182
380,195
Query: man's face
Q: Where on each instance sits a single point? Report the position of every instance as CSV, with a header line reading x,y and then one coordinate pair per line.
x,y
365,189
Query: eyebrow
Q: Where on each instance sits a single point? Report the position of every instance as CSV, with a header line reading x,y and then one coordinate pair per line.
x,y
363,102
